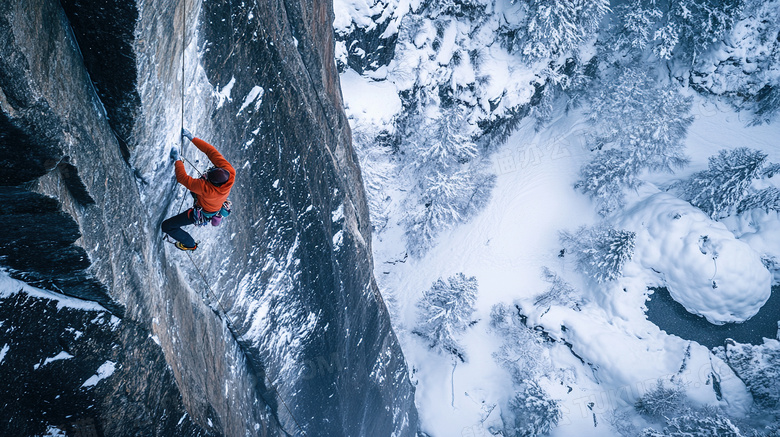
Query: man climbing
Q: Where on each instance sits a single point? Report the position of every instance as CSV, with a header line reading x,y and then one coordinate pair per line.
x,y
211,191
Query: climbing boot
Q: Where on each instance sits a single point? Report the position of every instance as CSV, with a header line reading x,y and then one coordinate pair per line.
x,y
183,247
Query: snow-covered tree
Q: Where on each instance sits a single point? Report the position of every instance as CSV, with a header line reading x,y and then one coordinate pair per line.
x,y
697,423
622,421
680,29
522,353
767,104
635,126
767,199
505,319
444,313
691,27
662,401
758,366
636,24
557,26
632,112
452,183
457,8
443,142
568,82
607,175
560,292
668,405
600,251
747,63
446,199
724,186
535,413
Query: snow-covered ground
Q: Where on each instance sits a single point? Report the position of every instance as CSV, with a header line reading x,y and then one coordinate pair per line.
x,y
599,352
607,354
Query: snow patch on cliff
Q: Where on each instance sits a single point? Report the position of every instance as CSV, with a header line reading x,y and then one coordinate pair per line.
x,y
255,95
277,323
4,351
223,95
60,356
104,371
9,286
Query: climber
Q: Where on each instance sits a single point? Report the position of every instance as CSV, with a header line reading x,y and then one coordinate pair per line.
x,y
210,191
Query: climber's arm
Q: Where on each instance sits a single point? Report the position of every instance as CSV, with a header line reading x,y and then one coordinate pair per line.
x,y
215,157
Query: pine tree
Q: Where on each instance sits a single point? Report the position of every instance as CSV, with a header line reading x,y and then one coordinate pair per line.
x,y
633,113
662,401
697,423
453,184
767,199
457,8
557,26
444,142
535,414
446,199
607,175
767,104
444,313
693,26
724,185
601,251
637,20
522,353
669,405
636,126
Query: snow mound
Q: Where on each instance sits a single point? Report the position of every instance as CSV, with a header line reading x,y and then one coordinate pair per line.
x,y
705,268
372,101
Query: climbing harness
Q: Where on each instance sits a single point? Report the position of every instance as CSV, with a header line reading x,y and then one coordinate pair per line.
x,y
202,218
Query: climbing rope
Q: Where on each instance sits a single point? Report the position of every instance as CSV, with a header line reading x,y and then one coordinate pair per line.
x,y
183,49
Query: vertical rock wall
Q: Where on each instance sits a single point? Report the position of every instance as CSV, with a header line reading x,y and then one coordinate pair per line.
x,y
299,276
69,197
276,326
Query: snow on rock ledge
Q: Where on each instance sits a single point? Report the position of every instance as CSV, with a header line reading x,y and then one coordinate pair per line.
x,y
705,268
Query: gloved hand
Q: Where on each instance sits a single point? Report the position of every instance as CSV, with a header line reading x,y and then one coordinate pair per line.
x,y
175,154
186,134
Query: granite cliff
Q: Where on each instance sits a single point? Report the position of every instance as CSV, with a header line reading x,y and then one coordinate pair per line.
x,y
275,325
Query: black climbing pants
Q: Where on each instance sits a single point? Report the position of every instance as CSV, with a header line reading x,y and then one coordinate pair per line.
x,y
173,227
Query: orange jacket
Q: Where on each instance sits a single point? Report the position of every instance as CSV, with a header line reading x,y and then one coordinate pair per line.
x,y
210,197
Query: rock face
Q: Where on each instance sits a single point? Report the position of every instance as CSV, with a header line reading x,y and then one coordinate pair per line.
x,y
275,325
58,353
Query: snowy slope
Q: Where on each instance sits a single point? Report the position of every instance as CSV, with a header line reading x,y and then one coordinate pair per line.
x,y
505,247
602,354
